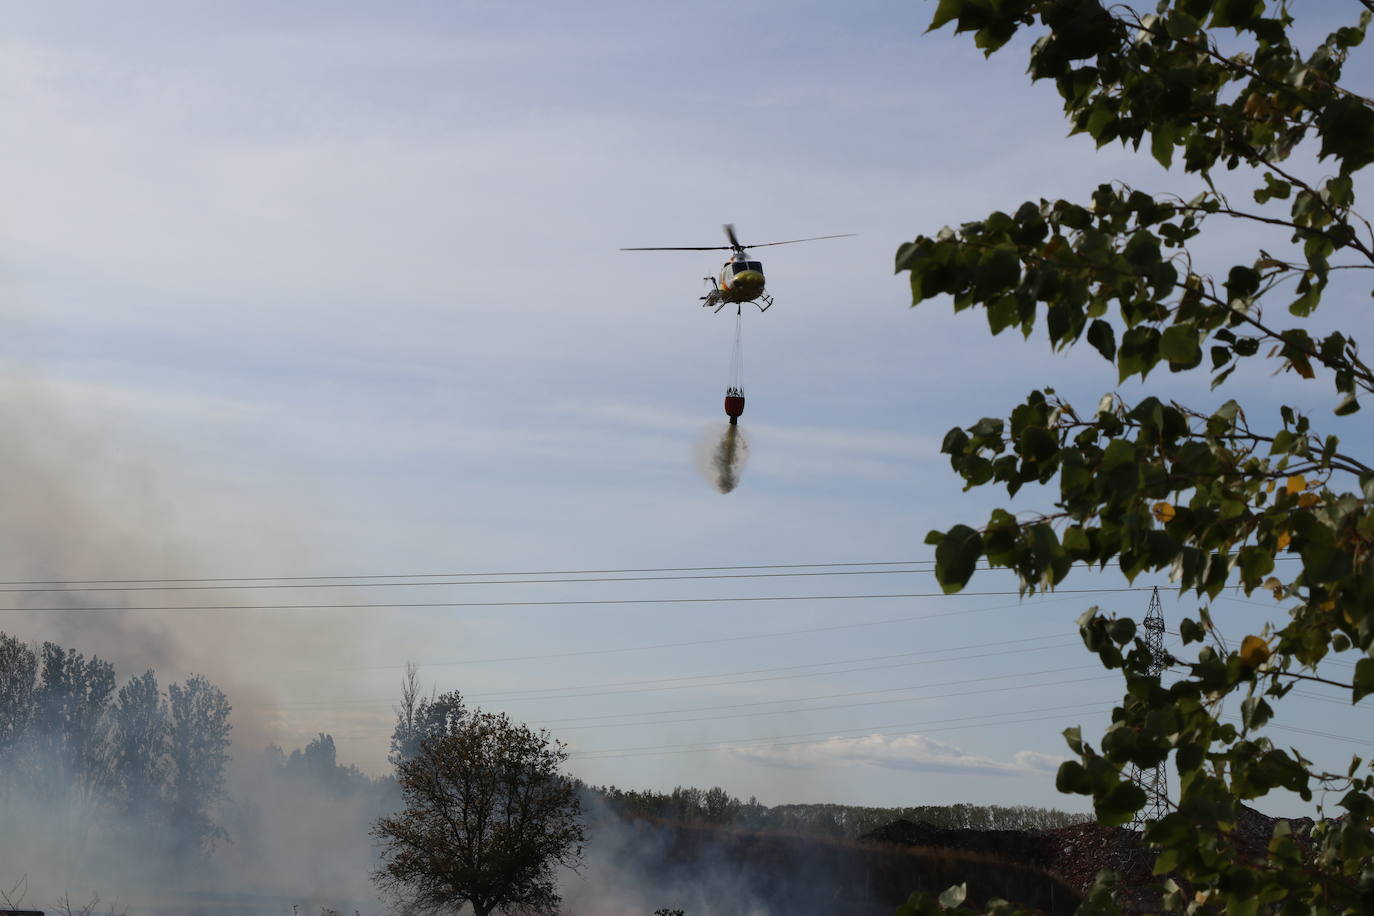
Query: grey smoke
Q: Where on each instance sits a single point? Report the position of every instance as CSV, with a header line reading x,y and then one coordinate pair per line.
x,y
82,502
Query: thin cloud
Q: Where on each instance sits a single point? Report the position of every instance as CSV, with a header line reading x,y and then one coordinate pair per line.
x,y
913,753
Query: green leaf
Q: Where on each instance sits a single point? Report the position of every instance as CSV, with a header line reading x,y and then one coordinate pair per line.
x,y
946,11
1167,861
1104,338
1119,804
956,557
1346,126
1364,679
1236,14
1074,736
1191,631
1141,250
997,271
1254,712
1122,630
1323,562
1179,345
1255,564
1162,144
1241,283
1072,779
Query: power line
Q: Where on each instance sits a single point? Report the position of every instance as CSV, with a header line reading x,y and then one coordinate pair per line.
x,y
1304,731
399,605
519,694
833,706
451,575
777,712
565,693
1307,694
361,579
394,584
909,618
780,677
831,696
1307,731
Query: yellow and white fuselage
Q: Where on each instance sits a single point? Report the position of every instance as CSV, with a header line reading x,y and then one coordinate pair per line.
x,y
741,280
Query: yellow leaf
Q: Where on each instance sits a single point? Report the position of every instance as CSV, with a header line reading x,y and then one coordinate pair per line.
x,y
1297,483
1284,538
1164,512
1269,486
1328,606
1301,366
1253,652
1308,500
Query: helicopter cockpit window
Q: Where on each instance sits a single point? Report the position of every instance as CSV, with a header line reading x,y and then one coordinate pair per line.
x,y
756,265
741,266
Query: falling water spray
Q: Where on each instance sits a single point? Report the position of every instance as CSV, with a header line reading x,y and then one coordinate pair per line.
x,y
728,457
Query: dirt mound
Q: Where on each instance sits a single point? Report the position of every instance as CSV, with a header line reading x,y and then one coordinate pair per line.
x,y
1023,846
1075,854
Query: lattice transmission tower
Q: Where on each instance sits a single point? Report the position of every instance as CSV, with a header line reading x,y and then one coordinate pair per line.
x,y
1155,781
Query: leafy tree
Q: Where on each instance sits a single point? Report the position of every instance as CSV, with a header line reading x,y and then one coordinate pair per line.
x,y
426,720
488,816
1214,495
318,764
139,744
419,719
18,676
70,725
199,747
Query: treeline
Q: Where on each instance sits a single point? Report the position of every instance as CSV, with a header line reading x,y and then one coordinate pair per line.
x,y
316,767
134,754
716,806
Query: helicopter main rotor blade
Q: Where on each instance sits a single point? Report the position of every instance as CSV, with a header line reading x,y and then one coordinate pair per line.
x,y
704,248
730,233
814,238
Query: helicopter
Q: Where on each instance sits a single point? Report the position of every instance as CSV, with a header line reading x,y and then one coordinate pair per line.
x,y
741,279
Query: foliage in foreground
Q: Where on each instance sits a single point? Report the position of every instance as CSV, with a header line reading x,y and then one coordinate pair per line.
x,y
1212,495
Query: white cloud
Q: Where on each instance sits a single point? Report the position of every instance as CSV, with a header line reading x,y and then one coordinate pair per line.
x,y
1037,762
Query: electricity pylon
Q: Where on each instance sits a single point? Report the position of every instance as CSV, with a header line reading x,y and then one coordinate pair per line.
x,y
1155,781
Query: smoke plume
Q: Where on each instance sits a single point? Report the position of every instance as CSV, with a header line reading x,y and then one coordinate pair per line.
x,y
81,502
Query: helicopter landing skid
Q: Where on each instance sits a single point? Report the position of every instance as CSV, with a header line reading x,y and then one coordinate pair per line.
x,y
715,299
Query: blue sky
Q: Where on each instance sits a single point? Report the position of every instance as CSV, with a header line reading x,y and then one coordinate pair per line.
x,y
336,289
